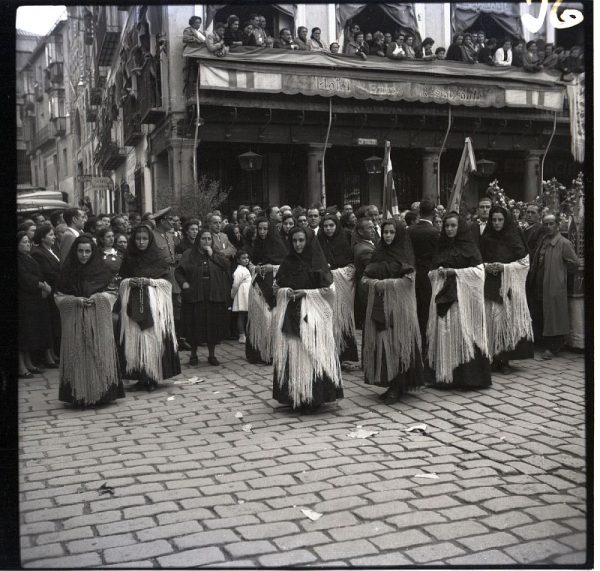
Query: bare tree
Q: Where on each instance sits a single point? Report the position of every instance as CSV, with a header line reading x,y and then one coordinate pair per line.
x,y
203,197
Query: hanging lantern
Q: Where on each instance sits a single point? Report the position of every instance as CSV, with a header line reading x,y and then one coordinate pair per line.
x,y
374,165
485,168
250,161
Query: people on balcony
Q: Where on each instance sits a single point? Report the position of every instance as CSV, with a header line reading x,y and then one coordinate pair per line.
x,y
248,37
192,35
285,40
358,47
233,34
531,59
504,55
334,48
468,49
260,32
440,53
395,49
486,54
215,42
454,52
518,51
316,45
409,48
427,50
302,40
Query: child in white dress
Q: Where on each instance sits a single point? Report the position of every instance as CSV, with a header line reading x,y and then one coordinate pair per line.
x,y
240,290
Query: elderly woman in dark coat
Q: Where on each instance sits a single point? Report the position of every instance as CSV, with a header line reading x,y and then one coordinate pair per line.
x,y
205,280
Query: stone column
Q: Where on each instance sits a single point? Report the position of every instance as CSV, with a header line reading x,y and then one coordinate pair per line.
x,y
314,155
181,173
430,157
532,175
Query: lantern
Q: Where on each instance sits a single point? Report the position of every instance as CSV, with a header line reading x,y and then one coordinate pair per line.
x,y
485,168
374,165
250,161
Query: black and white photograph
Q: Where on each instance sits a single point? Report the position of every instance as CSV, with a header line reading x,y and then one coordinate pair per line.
x,y
303,285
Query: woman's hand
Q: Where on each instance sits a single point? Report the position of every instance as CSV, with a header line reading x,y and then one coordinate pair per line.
x,y
267,268
208,250
185,285
299,293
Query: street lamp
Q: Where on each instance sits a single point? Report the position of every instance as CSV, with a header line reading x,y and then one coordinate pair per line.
x,y
250,161
485,168
374,165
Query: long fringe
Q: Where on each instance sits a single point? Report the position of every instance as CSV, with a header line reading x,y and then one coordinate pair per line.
x,y
88,354
343,314
398,343
452,339
144,349
509,322
314,354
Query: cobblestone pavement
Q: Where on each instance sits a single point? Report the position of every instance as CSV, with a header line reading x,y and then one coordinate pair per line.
x,y
192,487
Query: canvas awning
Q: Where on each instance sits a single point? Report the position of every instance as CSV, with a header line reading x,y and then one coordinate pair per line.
x,y
212,9
401,14
267,70
506,14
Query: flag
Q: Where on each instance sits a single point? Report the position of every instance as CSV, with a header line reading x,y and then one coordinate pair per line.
x,y
461,180
390,200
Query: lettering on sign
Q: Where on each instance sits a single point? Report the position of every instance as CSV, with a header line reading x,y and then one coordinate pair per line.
x,y
333,84
507,8
569,17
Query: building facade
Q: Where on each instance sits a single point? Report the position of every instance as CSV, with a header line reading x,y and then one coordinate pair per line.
x,y
139,133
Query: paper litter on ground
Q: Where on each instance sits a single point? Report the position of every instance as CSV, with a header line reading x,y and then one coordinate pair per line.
x,y
429,476
362,433
422,428
311,514
239,415
247,428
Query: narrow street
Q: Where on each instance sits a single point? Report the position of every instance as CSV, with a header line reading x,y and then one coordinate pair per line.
x,y
179,478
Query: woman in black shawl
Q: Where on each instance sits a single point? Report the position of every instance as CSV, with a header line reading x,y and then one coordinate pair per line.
x,y
205,280
234,234
306,368
456,333
35,333
336,247
89,366
506,260
267,253
392,340
148,343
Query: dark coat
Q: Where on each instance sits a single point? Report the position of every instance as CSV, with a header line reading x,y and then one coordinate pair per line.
x,y
476,232
191,270
363,250
49,265
533,235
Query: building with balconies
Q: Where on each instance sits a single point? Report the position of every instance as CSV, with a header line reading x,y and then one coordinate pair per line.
x,y
313,117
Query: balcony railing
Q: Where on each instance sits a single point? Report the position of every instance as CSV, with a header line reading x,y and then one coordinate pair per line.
x,y
44,136
59,126
132,125
55,70
29,101
91,115
96,96
109,155
39,92
107,38
149,93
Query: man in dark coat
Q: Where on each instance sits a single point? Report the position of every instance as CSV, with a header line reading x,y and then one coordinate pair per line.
x,y
483,213
362,250
424,237
534,231
554,258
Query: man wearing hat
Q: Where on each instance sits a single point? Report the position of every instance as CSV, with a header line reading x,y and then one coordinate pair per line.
x,y
166,244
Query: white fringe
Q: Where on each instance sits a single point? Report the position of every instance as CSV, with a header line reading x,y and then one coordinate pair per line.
x,y
313,355
509,322
144,349
398,343
343,312
452,339
88,354
260,321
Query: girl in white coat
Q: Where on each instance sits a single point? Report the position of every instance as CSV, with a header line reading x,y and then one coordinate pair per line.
x,y
242,280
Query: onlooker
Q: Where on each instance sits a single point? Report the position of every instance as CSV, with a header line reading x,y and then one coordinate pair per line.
x,y
232,36
409,48
486,53
395,49
440,53
531,60
285,41
75,220
248,36
302,40
504,55
454,52
358,47
427,47
215,42
192,36
240,290
334,48
315,43
518,52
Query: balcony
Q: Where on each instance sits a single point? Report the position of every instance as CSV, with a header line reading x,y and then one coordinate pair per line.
x,y
58,126
149,93
91,115
96,96
132,126
38,91
29,101
55,71
112,156
43,137
107,38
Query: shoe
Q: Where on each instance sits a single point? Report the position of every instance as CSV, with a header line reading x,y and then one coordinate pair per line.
x,y
151,387
193,361
547,355
51,366
213,361
242,339
184,345
504,369
26,375
392,396
35,370
384,395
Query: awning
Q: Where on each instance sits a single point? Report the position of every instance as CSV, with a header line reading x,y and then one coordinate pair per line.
x,y
267,70
506,14
40,205
401,14
212,9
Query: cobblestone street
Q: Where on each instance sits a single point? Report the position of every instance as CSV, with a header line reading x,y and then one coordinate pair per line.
x,y
498,477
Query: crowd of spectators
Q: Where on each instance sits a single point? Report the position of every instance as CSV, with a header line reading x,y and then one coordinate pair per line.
x,y
471,48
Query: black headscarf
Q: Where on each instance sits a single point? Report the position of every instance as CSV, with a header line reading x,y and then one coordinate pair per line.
x,y
337,248
271,249
458,252
149,263
395,260
505,245
230,231
502,246
83,280
308,270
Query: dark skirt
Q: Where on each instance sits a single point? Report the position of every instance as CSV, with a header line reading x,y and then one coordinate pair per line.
x,y
408,380
350,353
114,392
523,350
171,366
205,322
476,374
35,332
253,355
323,390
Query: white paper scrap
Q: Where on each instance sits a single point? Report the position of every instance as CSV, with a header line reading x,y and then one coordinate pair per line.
x,y
362,433
311,514
417,428
239,415
247,428
429,476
